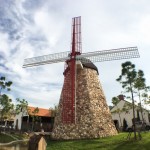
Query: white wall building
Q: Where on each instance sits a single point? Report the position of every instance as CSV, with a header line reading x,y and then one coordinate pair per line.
x,y
18,119
128,114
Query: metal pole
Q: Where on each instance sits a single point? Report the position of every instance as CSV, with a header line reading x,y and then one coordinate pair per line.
x,y
73,54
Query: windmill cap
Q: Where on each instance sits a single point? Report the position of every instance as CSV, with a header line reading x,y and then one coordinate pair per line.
x,y
88,64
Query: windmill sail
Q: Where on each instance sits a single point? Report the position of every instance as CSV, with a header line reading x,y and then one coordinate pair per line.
x,y
46,59
108,55
97,56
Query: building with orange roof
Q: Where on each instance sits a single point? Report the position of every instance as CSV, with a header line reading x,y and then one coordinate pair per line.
x,y
34,119
41,113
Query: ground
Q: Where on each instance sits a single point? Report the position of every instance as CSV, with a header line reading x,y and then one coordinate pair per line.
x,y
5,139
9,137
110,143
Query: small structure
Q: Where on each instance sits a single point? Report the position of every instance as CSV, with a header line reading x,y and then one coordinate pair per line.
x,y
42,120
37,142
122,114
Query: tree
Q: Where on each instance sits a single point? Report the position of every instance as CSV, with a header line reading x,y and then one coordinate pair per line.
x,y
34,117
141,88
4,84
53,111
127,79
21,107
6,107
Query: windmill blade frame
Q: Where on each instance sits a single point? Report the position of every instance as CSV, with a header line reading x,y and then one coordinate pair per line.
x,y
46,59
108,55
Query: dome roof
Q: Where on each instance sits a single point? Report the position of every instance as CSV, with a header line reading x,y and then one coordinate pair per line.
x,y
88,64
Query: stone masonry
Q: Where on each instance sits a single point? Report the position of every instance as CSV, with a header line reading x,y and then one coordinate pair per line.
x,y
93,117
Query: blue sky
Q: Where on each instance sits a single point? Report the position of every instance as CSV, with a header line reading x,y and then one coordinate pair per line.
x,y
31,28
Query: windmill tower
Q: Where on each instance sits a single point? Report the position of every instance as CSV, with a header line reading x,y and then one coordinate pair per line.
x,y
83,111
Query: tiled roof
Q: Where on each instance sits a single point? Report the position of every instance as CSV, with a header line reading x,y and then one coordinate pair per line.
x,y
42,112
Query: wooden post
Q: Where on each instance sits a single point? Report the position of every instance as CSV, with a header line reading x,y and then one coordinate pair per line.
x,y
42,144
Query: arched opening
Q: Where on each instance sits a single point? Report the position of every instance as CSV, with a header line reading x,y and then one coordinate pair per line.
x,y
16,124
116,122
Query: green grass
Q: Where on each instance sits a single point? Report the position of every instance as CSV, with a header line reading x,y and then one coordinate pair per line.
x,y
110,143
5,138
20,136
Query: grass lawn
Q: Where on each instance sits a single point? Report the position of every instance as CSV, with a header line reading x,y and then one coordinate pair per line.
x,y
5,138
118,142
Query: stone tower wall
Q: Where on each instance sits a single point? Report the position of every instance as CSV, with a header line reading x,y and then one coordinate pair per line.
x,y
93,117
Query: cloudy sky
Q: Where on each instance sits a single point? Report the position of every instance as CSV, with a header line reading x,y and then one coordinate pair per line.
x,y
30,28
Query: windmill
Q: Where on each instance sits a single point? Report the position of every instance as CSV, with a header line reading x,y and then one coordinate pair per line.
x,y
73,60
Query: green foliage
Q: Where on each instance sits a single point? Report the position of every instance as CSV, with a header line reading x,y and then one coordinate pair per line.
x,y
34,117
127,79
128,76
21,106
140,81
53,111
5,139
35,111
13,136
145,96
6,106
133,81
141,87
115,101
127,106
4,84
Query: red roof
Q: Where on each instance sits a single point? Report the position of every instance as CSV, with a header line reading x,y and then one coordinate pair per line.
x,y
42,112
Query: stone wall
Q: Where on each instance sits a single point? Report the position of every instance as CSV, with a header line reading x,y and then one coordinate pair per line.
x,y
93,118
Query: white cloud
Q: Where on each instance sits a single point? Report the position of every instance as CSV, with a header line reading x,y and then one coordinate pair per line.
x,y
4,44
144,29
44,27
